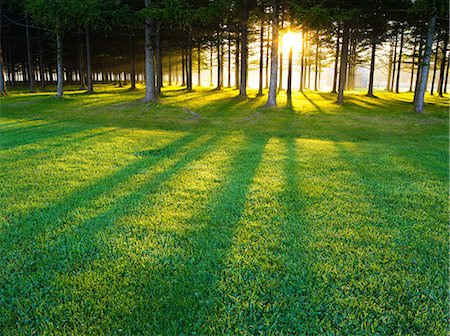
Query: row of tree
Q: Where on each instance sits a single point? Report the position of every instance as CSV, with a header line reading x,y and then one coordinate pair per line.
x,y
99,41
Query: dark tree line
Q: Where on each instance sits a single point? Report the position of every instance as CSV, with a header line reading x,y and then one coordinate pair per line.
x,y
169,42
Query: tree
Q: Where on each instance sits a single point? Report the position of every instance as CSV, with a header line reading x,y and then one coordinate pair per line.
x,y
55,15
272,96
419,102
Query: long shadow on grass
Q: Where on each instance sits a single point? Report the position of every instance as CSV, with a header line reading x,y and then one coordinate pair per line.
x,y
396,254
312,103
46,149
33,134
20,231
28,263
177,294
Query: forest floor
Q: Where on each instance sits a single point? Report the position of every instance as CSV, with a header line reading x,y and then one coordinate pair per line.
x,y
208,214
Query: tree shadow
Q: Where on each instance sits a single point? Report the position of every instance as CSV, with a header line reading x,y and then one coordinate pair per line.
x,y
56,240
318,108
187,282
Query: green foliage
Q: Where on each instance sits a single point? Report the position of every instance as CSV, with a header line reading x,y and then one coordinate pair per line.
x,y
120,218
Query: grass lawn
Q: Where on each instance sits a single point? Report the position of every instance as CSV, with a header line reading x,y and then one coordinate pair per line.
x,y
207,214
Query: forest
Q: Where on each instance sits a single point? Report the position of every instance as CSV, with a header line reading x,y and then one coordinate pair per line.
x,y
224,167
172,42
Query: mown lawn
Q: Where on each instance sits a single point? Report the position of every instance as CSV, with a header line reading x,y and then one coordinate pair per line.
x,y
207,214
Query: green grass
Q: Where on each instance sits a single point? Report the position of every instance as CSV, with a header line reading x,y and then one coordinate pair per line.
x,y
119,217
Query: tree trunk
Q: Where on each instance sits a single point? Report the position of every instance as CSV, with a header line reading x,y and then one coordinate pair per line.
x,y
2,73
372,67
90,87
170,70
419,67
394,67
30,56
343,65
435,65
267,57
211,66
59,61
302,63
336,65
219,61
81,65
229,60
199,67
442,69
272,96
316,73
183,66
419,104
244,51
41,63
280,48
159,79
132,64
289,78
237,55
261,59
412,67
150,93
399,65
446,77
189,62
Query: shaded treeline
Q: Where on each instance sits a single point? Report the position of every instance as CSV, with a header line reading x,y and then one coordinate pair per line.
x,y
171,42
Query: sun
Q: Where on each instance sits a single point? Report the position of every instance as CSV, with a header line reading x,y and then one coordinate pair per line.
x,y
293,39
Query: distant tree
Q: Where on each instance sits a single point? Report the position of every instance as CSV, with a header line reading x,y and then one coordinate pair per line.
x,y
56,15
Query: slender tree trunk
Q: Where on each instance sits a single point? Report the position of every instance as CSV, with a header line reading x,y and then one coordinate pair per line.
x,y
183,68
272,96
2,73
443,63
446,77
302,63
222,60
219,62
289,78
211,66
419,104
391,53
261,59
41,62
237,55
170,70
435,64
30,57
150,92
244,51
199,67
412,67
189,62
81,65
399,66
267,57
336,65
372,67
159,79
132,65
316,73
11,63
394,67
90,87
343,65
280,48
229,60
59,61
419,68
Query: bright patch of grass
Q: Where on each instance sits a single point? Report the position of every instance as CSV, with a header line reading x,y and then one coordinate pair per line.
x,y
208,214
